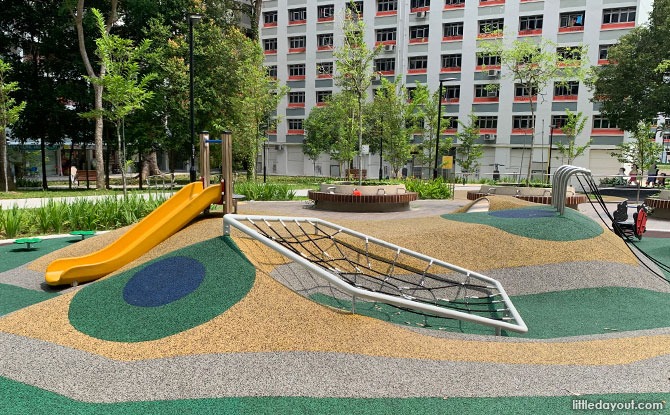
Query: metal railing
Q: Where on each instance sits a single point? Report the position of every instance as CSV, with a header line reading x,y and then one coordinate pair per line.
x,y
560,185
161,185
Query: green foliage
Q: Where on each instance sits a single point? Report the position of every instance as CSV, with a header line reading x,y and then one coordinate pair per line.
x,y
468,152
428,189
643,151
428,110
265,191
635,86
572,128
9,114
11,221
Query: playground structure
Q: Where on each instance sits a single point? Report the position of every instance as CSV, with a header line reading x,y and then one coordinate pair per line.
x,y
175,213
529,194
345,197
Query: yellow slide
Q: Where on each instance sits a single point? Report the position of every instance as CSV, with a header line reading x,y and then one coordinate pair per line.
x,y
168,218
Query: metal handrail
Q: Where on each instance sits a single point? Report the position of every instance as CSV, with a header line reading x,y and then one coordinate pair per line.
x,y
165,190
520,326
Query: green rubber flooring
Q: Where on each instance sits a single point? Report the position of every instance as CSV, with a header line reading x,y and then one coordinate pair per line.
x,y
573,226
14,298
14,255
20,399
547,315
657,248
100,310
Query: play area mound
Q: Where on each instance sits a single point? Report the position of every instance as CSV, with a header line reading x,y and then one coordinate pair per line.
x,y
208,323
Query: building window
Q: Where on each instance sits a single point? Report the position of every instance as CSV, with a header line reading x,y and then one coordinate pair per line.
x,y
418,33
603,52
270,18
297,42
487,122
454,2
620,15
325,40
270,45
450,123
326,12
387,6
570,88
385,65
322,96
558,121
294,124
521,91
486,91
452,30
324,69
272,71
569,53
356,9
600,122
451,92
530,23
420,4
296,16
490,25
571,20
297,70
488,60
522,122
386,35
418,63
296,97
452,61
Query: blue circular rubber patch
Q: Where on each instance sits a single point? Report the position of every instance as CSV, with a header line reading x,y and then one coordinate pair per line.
x,y
164,281
523,213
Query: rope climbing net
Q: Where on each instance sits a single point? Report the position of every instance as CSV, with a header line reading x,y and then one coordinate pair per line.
x,y
369,269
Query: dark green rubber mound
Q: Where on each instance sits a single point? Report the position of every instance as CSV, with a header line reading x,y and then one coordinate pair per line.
x,y
100,310
15,255
657,248
20,399
547,315
573,226
14,298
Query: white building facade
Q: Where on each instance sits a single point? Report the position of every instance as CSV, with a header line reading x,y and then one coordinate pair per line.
x,y
428,40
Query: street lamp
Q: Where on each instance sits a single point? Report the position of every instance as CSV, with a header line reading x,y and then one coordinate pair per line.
x,y
551,143
193,18
439,119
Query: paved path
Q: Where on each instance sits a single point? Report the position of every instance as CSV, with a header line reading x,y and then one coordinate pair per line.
x,y
36,202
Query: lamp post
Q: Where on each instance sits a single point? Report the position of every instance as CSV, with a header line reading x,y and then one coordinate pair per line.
x,y
551,143
439,119
381,150
193,18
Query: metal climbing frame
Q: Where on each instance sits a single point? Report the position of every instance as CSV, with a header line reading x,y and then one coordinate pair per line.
x,y
408,282
560,185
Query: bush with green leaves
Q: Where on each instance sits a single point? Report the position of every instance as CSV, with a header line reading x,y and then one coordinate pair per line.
x,y
428,189
265,191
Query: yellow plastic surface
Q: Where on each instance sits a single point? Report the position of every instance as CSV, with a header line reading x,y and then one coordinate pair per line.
x,y
168,218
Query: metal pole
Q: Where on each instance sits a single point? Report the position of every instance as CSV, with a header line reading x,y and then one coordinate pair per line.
x,y
551,142
265,158
381,151
190,35
439,133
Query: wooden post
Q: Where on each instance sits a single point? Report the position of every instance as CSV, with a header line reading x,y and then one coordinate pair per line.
x,y
204,158
227,173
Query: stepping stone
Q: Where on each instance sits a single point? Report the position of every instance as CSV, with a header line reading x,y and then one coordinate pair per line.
x,y
83,234
27,242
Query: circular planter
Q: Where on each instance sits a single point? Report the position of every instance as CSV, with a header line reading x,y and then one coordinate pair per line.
x,y
661,204
354,198
540,195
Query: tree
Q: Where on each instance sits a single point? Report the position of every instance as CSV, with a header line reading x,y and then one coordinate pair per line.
x,y
534,65
126,90
321,132
343,139
572,128
9,114
393,118
468,152
643,151
635,85
429,112
98,88
354,68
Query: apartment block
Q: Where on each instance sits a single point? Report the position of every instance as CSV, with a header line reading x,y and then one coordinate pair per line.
x,y
426,41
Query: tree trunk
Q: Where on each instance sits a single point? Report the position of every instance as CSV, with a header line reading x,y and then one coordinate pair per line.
x,y
171,161
532,137
360,140
148,166
256,7
122,159
109,154
43,150
99,173
69,174
4,164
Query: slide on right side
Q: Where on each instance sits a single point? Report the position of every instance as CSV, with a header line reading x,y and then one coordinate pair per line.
x,y
168,218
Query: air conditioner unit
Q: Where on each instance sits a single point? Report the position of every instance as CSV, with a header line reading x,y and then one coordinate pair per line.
x,y
421,14
490,137
389,48
493,72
